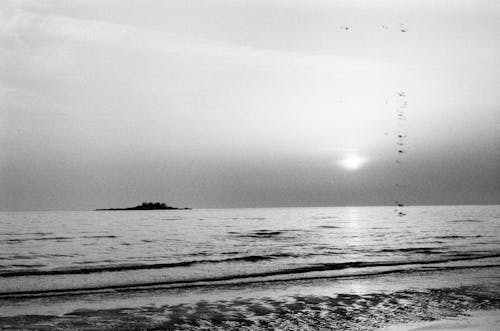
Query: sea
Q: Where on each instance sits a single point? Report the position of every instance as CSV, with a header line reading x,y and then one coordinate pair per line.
x,y
61,252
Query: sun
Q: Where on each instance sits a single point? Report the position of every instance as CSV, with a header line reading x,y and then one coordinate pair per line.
x,y
352,162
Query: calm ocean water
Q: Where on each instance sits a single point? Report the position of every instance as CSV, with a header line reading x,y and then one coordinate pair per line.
x,y
43,252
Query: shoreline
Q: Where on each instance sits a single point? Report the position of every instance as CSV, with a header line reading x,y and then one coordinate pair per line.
x,y
186,285
401,310
371,303
478,320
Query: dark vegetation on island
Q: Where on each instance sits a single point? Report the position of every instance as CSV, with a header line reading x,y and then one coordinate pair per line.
x,y
148,206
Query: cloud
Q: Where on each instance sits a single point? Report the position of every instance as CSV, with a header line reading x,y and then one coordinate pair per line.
x,y
106,84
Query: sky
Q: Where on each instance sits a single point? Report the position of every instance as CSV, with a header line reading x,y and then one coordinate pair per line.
x,y
235,103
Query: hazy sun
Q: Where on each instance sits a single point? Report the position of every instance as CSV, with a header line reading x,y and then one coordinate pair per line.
x,y
352,162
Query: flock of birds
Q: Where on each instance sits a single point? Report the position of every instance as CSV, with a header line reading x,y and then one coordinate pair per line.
x,y
401,135
402,27
401,144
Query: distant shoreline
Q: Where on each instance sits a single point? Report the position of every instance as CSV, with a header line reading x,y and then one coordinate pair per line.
x,y
146,206
118,209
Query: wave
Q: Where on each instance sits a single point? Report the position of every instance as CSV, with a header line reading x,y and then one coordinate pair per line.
x,y
35,265
418,250
25,233
59,238
458,237
99,236
466,221
131,267
250,258
19,240
257,234
243,279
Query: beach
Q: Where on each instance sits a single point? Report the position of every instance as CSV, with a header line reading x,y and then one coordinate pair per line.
x,y
252,269
349,304
474,321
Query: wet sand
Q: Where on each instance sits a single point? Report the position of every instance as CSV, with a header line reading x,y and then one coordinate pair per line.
x,y
433,300
398,310
473,321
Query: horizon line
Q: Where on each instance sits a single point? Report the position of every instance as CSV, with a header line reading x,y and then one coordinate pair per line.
x,y
263,207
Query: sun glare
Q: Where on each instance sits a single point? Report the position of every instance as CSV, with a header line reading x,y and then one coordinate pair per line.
x,y
352,162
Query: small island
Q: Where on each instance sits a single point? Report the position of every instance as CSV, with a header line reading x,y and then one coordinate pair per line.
x,y
148,206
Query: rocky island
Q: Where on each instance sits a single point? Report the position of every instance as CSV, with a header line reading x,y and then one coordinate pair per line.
x,y
148,206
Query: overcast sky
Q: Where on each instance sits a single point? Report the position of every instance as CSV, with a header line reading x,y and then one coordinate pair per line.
x,y
233,103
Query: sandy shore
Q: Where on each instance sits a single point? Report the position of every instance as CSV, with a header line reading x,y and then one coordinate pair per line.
x,y
473,321
433,309
466,299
